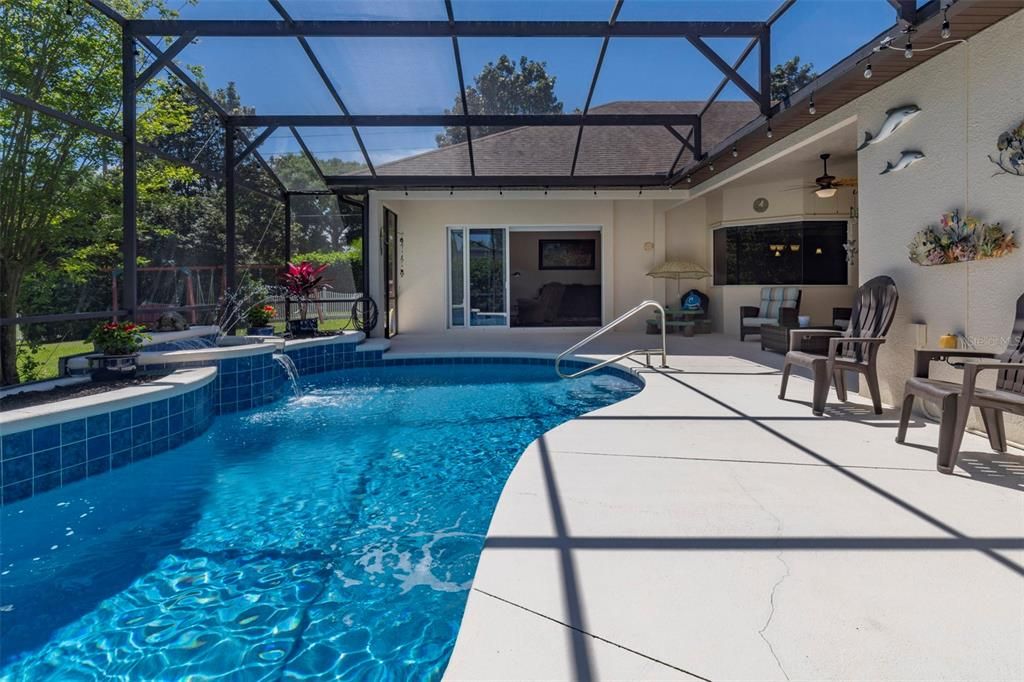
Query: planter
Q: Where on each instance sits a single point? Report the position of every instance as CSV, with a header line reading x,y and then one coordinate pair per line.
x,y
112,367
303,327
266,330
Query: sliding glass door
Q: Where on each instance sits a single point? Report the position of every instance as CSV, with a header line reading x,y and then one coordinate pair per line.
x,y
478,277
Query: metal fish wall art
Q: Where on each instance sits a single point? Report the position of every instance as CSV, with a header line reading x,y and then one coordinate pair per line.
x,y
894,118
907,158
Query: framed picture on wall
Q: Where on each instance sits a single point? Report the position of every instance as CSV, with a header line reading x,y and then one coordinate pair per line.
x,y
567,254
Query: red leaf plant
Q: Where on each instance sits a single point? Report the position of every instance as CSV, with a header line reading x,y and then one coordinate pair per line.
x,y
302,282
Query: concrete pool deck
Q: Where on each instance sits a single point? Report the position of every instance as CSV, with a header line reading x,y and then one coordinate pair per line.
x,y
703,529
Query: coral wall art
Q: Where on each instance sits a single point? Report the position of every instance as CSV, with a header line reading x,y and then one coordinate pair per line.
x,y
958,240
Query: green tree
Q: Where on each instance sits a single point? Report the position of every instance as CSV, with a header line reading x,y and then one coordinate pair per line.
x,y
68,57
790,76
505,87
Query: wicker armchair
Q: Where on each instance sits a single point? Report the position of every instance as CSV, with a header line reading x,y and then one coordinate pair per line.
x,y
854,350
956,400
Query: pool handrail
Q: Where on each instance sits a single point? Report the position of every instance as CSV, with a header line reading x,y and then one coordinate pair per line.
x,y
618,320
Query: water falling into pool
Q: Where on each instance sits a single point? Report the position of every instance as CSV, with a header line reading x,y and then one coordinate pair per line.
x,y
291,370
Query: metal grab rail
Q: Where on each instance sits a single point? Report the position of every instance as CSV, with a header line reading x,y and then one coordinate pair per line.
x,y
621,318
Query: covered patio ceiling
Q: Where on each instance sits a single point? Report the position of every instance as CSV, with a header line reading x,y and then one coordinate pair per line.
x,y
335,107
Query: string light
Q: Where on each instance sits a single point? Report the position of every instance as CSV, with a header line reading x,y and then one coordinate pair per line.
x,y
811,109
867,71
406,191
735,152
595,191
451,192
768,133
711,167
908,51
501,192
641,192
946,32
545,191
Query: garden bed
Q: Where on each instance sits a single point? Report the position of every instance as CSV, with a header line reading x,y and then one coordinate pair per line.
x,y
22,399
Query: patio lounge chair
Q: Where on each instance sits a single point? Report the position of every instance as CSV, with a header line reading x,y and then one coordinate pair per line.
x,y
779,305
854,350
958,399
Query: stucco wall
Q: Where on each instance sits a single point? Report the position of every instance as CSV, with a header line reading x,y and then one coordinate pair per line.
x,y
968,96
626,226
690,226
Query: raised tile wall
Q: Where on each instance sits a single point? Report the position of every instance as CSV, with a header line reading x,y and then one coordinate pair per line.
x,y
38,460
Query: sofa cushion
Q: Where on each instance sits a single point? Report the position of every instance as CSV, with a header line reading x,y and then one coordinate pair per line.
x,y
774,299
758,321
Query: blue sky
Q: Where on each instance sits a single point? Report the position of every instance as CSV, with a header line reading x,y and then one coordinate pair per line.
x,y
389,76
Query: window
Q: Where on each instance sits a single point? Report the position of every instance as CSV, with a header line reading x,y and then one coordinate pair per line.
x,y
809,252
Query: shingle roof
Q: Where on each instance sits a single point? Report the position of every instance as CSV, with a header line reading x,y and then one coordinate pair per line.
x,y
604,150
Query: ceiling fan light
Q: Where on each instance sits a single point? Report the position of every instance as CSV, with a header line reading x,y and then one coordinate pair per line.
x,y
826,192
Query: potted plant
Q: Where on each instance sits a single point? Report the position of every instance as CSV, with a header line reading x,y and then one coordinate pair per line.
x,y
258,318
118,344
302,282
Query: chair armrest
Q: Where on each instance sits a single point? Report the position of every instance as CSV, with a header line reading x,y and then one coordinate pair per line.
x,y
749,311
973,369
789,317
834,343
924,357
797,336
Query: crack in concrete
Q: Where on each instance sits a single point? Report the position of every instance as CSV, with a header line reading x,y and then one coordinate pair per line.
x,y
775,587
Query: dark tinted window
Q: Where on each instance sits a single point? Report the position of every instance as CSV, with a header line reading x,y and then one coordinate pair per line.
x,y
781,253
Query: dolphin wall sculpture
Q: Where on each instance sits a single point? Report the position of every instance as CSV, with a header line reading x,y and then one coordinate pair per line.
x,y
894,118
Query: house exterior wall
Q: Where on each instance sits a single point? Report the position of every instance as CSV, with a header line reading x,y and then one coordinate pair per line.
x,y
968,96
626,225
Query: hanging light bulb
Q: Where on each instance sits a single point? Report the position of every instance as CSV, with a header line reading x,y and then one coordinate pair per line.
x,y
946,32
711,167
501,192
451,192
595,191
811,109
689,179
735,153
545,191
768,133
867,70
641,192
406,191
908,51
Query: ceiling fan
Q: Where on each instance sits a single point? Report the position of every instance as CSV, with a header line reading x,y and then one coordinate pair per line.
x,y
825,185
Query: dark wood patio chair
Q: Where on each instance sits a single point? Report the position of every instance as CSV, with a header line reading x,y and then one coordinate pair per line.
x,y
853,350
957,399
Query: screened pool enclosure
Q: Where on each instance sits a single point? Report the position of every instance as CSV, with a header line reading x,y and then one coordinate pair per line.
x,y
236,136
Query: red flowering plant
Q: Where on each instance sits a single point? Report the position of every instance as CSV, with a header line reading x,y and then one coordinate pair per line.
x,y
118,338
260,315
302,281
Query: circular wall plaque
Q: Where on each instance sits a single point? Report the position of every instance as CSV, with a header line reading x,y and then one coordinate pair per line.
x,y
760,204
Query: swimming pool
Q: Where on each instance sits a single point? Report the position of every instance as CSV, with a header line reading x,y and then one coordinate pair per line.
x,y
333,534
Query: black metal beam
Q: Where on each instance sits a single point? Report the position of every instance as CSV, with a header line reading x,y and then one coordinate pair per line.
x,y
308,154
328,83
593,84
906,11
129,176
230,234
213,104
462,86
260,139
62,317
731,73
428,120
287,228
108,11
118,137
491,181
685,142
444,29
776,15
765,71
163,60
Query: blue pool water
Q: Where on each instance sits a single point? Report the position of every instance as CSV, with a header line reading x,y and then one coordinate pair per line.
x,y
330,535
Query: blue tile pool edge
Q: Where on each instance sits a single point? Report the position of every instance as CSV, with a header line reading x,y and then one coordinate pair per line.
x,y
34,461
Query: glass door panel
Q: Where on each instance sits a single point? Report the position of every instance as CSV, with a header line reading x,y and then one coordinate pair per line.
x,y
456,277
487,278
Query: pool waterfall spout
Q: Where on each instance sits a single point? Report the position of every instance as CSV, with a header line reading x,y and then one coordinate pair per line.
x,y
291,370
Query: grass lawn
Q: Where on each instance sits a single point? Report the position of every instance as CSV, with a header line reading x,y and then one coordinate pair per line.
x,y
48,353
